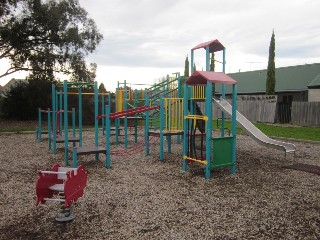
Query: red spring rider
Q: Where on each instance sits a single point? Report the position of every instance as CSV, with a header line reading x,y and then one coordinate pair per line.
x,y
61,184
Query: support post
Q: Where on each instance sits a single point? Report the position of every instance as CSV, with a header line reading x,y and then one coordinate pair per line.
x,y
65,116
49,129
185,127
208,128
108,125
223,91
80,115
39,131
161,127
74,125
146,126
207,59
60,108
102,113
96,112
125,120
234,127
54,126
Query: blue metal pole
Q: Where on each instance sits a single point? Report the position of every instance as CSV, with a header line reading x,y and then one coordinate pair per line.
x,y
96,112
117,120
161,127
74,158
102,113
208,128
180,95
80,114
108,125
60,108
57,109
65,116
185,128
54,130
49,129
39,131
135,119
207,59
146,126
234,127
74,125
223,89
125,107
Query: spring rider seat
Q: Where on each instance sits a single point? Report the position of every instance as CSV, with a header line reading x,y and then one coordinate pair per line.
x,y
61,184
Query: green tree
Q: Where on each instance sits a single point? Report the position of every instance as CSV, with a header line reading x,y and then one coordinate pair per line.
x,y
14,102
47,37
194,67
102,88
271,71
186,67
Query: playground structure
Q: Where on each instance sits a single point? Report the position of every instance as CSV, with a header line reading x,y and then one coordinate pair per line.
x,y
169,108
63,185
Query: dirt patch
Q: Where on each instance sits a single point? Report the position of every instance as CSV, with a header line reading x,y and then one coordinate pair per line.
x,y
141,197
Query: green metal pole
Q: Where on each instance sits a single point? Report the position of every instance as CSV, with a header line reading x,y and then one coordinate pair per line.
x,y
185,129
207,59
146,126
223,89
49,129
96,112
102,113
234,127
54,126
74,125
65,116
108,125
80,115
208,128
39,131
161,128
125,107
135,104
60,108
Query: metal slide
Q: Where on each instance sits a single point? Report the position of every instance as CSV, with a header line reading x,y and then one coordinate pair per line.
x,y
253,131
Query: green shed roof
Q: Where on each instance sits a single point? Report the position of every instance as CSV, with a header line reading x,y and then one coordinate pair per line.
x,y
288,79
315,82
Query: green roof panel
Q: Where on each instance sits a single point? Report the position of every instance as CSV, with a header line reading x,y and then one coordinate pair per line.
x,y
288,79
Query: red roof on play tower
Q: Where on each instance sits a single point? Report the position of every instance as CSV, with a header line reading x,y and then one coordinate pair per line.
x,y
214,46
202,77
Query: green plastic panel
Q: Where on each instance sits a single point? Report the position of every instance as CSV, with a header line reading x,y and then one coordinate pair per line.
x,y
222,152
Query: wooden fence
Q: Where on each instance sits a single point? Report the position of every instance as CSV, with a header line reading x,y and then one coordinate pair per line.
x,y
305,113
268,110
255,108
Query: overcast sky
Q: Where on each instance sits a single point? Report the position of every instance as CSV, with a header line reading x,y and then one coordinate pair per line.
x,y
147,39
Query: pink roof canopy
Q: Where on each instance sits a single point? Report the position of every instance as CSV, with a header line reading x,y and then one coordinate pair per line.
x,y
214,46
202,77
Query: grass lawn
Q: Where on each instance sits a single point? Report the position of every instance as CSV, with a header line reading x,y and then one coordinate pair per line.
x,y
282,130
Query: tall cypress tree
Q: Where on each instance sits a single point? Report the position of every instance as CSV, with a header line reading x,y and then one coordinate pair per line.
x,y
186,67
271,72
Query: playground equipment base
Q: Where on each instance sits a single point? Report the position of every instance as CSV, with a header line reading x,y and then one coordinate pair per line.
x,y
65,217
